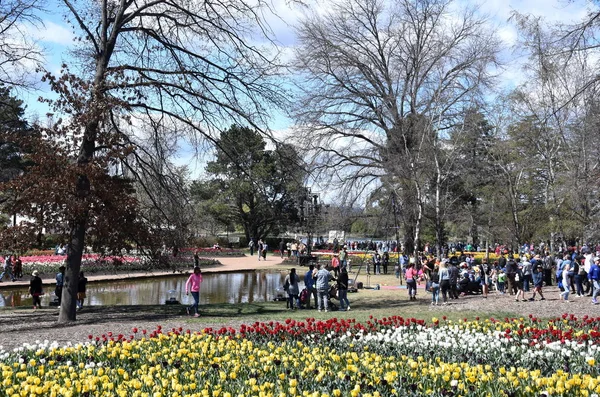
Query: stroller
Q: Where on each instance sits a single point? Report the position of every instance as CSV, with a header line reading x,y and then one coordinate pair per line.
x,y
469,287
304,295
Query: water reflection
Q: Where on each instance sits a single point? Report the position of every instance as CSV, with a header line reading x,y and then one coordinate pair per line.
x,y
246,287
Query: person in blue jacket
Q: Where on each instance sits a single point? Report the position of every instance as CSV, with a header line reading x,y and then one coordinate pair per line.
x,y
594,277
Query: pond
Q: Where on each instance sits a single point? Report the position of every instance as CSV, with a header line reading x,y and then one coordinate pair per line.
x,y
246,287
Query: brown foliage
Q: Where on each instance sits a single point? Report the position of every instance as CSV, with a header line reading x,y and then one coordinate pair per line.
x,y
47,193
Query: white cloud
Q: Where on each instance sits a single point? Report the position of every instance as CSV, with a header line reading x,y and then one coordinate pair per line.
x,y
550,10
508,35
52,32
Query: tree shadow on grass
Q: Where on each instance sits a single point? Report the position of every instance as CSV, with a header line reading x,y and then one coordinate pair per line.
x,y
28,320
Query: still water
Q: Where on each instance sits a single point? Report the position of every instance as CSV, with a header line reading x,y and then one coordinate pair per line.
x,y
246,287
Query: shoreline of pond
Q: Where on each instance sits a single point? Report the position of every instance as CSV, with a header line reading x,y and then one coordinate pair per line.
x,y
227,265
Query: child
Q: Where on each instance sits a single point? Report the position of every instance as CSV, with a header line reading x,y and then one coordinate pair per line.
x,y
501,281
494,277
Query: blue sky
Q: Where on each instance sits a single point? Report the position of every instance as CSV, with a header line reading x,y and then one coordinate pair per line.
x,y
56,38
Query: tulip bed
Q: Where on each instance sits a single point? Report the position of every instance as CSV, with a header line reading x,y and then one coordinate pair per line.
x,y
94,263
392,356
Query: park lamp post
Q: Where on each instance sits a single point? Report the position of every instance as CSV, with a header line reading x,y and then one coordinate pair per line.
x,y
310,209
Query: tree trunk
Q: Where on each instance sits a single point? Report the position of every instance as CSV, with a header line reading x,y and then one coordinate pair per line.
x,y
68,304
439,225
419,220
82,190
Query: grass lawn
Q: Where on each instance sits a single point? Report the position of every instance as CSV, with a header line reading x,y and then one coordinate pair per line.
x,y
364,304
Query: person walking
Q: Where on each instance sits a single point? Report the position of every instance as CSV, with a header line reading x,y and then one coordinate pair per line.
x,y
411,281
566,281
281,248
579,276
342,287
537,274
8,267
259,248
511,271
17,267
193,285
435,286
344,257
485,278
309,283
251,246
549,264
518,285
444,275
291,281
453,270
81,288
527,277
335,264
60,281
594,277
385,261
35,289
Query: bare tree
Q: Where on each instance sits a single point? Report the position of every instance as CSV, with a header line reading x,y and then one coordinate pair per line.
x,y
19,56
559,98
383,82
192,66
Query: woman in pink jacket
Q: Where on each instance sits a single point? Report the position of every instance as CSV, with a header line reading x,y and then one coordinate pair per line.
x,y
193,285
412,275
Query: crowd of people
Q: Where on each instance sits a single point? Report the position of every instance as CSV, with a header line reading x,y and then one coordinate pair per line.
x,y
576,272
12,268
317,284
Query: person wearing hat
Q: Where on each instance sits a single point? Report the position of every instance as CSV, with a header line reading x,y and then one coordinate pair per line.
x,y
35,289
60,280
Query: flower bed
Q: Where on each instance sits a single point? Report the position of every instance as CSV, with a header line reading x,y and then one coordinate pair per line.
x,y
388,357
94,263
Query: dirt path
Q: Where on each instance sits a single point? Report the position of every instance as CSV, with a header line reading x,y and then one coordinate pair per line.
x,y
228,264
